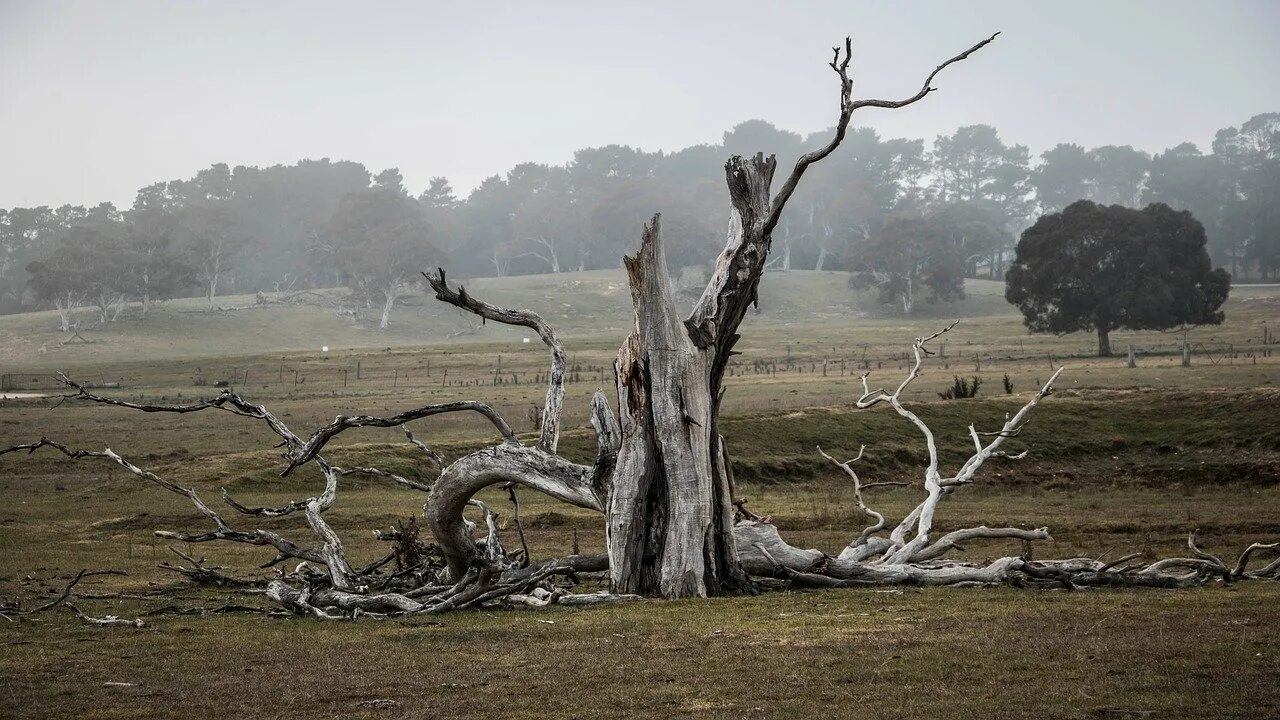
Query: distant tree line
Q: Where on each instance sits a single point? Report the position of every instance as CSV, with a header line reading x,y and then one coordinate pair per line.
x,y
909,221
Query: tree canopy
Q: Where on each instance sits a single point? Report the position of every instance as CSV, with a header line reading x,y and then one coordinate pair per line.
x,y
1108,267
378,241
243,228
907,257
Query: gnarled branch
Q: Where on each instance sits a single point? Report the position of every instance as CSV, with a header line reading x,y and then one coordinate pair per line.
x,y
553,407
840,64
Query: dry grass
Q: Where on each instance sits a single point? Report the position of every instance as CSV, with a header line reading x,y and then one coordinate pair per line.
x,y
1122,460
999,653
1207,653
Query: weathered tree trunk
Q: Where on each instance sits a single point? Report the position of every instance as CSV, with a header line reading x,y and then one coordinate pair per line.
x,y
667,504
669,518
668,498
1104,341
670,510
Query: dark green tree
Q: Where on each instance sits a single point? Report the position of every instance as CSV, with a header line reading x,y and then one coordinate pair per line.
x,y
1108,267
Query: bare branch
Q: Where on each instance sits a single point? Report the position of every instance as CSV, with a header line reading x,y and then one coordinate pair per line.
x,y
1243,562
111,620
840,64
66,592
878,519
423,447
551,410
223,531
320,437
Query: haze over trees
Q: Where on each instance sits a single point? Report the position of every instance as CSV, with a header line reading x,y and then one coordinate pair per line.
x,y
907,258
377,240
244,229
1108,267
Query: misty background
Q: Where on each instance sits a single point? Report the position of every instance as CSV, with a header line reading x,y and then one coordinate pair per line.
x,y
155,150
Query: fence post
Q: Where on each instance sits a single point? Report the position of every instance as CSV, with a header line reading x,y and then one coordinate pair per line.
x,y
1132,363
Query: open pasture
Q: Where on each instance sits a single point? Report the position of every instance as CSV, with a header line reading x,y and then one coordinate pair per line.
x,y
1121,460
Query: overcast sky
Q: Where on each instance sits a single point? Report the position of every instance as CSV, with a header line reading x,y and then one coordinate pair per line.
x,y
103,97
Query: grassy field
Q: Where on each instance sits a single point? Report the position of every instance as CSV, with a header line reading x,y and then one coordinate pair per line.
x,y
1122,460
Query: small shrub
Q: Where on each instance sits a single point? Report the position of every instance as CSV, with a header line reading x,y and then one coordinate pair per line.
x,y
961,389
1008,385
409,550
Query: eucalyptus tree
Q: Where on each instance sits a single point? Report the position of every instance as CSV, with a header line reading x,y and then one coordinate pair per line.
x,y
25,235
376,239
1104,268
974,164
1120,175
1066,174
852,195
909,259
1250,160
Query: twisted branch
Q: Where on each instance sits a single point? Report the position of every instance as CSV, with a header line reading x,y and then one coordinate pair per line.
x,y
840,64
552,408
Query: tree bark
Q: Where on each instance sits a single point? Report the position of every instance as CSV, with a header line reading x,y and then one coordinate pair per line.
x,y
670,517
1104,341
664,499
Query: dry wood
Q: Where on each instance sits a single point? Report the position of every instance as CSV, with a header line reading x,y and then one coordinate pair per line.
x,y
662,476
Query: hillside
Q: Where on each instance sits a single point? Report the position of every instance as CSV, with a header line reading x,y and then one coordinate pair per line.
x,y
594,304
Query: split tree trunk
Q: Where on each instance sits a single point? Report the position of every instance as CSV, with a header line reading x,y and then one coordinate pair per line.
x,y
670,509
670,505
